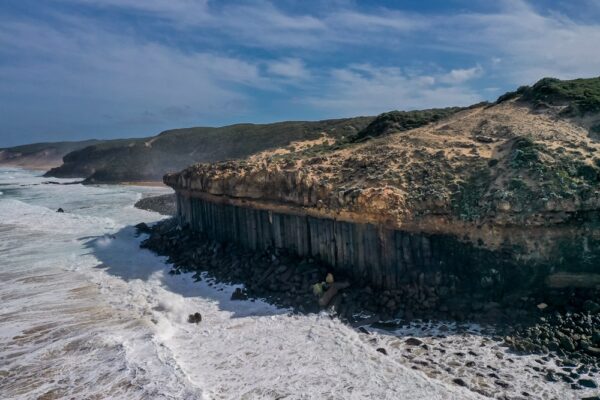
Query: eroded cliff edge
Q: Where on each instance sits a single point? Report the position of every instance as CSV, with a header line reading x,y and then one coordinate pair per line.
x,y
496,196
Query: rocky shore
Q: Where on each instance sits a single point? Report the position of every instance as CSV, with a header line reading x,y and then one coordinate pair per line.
x,y
554,347
487,215
569,331
164,204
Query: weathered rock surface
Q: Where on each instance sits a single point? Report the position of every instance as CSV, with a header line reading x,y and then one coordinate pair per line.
x,y
490,200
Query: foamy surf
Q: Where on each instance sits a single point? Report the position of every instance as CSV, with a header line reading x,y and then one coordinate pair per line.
x,y
87,314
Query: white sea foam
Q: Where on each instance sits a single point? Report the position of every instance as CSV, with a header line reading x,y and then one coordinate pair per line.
x,y
86,313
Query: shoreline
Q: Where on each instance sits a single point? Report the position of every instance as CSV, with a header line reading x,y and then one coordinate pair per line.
x,y
429,339
29,167
164,204
144,183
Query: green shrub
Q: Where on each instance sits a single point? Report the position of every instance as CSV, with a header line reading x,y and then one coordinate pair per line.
x,y
399,121
525,153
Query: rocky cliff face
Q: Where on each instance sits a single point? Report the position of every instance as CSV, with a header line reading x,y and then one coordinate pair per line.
x,y
520,178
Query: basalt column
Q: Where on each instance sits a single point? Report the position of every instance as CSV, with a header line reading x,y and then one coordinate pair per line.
x,y
367,253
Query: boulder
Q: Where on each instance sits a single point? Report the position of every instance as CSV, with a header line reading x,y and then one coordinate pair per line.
x,y
195,318
142,227
413,341
591,306
588,383
239,294
382,351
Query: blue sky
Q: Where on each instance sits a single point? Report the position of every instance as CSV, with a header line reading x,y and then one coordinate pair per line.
x,y
75,69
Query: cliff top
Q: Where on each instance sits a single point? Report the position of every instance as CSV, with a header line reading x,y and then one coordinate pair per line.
x,y
532,154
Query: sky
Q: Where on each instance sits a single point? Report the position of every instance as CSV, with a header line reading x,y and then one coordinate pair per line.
x,y
79,69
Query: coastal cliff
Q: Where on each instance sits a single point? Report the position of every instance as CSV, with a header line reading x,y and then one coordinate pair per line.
x,y
495,199
147,159
40,156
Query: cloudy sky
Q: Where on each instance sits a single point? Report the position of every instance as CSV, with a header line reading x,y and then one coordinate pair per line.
x,y
73,69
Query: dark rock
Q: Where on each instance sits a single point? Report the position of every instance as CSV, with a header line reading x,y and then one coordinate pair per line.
x,y
567,344
195,318
459,382
588,383
413,342
142,227
501,383
550,377
593,351
382,351
239,294
484,139
60,210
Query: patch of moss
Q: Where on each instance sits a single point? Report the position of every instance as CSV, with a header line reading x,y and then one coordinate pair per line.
x,y
466,202
525,154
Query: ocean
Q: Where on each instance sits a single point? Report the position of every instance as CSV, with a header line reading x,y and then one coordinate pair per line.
x,y
86,314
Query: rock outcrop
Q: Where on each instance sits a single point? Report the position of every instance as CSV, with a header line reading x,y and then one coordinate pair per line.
x,y
493,197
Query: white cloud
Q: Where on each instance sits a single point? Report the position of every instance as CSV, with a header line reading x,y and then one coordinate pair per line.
x,y
291,68
329,59
526,45
382,20
75,73
365,89
190,12
461,75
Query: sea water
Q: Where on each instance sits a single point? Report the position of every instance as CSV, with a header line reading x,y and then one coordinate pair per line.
x,y
86,314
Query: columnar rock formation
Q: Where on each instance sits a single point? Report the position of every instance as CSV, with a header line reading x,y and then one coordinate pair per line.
x,y
494,199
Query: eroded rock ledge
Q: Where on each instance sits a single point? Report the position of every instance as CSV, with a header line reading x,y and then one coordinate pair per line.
x,y
494,199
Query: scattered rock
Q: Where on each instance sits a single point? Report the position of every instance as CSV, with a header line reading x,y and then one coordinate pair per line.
x,y
382,351
195,318
501,383
413,342
459,382
588,383
142,227
593,351
484,139
567,344
239,294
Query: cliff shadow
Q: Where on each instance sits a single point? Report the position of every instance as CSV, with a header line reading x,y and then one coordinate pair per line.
x,y
120,255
